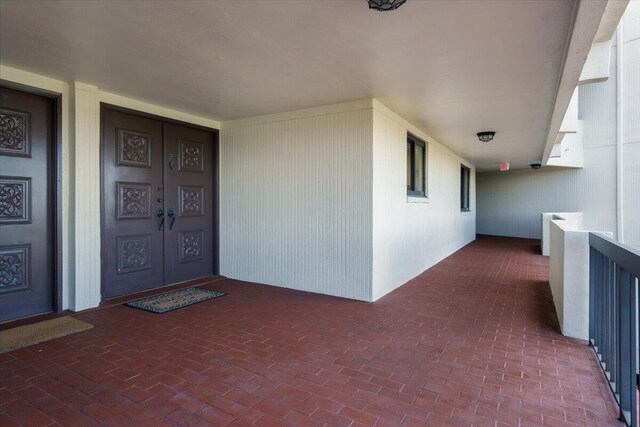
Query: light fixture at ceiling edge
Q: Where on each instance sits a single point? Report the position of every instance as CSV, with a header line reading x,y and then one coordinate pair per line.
x,y
385,5
486,136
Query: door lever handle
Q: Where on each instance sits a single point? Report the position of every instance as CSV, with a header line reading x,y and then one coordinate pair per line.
x,y
173,218
160,214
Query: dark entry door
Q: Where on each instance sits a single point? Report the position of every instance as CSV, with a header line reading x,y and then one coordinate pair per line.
x,y
158,203
26,214
189,201
132,204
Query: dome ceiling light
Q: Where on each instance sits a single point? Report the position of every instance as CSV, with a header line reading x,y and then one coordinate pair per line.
x,y
486,136
385,5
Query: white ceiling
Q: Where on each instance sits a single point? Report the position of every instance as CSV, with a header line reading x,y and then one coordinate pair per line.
x,y
452,68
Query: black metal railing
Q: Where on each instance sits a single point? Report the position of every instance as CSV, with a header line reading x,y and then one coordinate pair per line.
x,y
613,318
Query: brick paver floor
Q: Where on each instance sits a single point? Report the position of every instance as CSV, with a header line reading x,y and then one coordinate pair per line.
x,y
472,341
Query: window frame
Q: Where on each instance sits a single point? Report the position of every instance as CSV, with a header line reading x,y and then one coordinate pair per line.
x,y
465,190
414,142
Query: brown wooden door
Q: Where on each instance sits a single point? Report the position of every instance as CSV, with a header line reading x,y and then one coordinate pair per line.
x,y
132,204
158,203
26,215
189,195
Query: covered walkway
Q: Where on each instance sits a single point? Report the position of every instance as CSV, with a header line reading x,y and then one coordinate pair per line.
x,y
472,341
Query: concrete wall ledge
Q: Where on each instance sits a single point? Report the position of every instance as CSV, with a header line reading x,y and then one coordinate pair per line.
x,y
569,276
574,218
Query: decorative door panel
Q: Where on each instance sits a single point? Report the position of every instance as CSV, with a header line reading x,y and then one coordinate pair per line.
x,y
134,148
134,253
15,199
134,200
190,200
14,262
191,153
26,216
190,246
132,204
15,138
189,194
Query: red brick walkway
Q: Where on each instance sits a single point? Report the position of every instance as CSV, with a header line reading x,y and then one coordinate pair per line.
x,y
472,341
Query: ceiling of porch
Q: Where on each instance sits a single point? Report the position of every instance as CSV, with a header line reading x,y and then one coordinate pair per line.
x,y
450,68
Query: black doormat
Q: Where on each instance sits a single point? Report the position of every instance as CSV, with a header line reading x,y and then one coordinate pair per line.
x,y
174,300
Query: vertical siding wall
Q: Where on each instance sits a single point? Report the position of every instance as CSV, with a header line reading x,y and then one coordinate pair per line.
x,y
510,204
295,202
410,237
86,184
631,208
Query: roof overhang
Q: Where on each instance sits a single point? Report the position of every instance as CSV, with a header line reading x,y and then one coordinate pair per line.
x,y
586,57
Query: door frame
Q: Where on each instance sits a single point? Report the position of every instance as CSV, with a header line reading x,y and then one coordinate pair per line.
x,y
216,178
55,183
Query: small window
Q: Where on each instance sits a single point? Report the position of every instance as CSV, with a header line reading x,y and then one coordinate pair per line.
x,y
416,167
465,176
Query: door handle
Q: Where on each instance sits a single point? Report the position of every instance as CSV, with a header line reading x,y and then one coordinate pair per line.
x,y
160,214
173,218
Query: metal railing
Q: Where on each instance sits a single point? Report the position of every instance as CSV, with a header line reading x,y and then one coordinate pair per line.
x,y
613,318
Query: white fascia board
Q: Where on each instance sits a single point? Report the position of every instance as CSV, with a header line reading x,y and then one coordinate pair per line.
x,y
556,151
610,20
597,67
588,17
572,150
571,153
570,120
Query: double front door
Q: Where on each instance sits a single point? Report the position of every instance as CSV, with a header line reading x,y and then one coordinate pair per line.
x,y
158,201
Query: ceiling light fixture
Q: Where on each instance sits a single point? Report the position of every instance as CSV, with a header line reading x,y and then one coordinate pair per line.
x,y
385,5
486,136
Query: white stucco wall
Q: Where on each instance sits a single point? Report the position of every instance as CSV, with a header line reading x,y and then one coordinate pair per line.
x,y
574,218
556,269
409,237
569,276
295,200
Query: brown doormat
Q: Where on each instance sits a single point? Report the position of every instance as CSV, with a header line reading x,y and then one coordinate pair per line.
x,y
23,336
173,300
